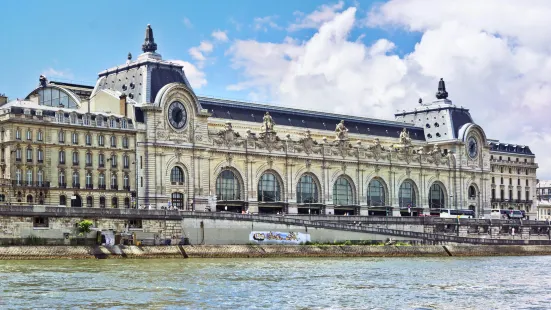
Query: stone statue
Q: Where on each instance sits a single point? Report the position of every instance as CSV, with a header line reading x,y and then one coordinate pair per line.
x,y
341,131
441,93
268,123
43,81
404,137
228,126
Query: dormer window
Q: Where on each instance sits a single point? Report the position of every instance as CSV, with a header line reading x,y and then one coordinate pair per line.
x,y
27,111
99,121
73,118
112,122
124,123
86,120
60,117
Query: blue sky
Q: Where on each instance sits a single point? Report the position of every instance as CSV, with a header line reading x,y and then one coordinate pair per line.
x,y
73,41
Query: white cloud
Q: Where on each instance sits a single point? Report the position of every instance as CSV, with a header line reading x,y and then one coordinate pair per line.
x,y
220,35
196,77
315,19
493,54
265,23
55,73
200,52
187,23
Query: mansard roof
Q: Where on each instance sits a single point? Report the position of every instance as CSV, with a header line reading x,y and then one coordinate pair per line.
x,y
496,146
283,116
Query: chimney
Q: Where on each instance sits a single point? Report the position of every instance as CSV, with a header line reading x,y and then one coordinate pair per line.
x,y
3,99
122,105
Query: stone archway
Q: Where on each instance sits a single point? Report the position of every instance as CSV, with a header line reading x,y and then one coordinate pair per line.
x,y
76,201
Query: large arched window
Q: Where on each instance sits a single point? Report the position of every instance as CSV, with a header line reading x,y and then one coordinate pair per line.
x,y
269,189
62,200
177,175
472,192
406,195
227,186
102,202
54,97
89,201
177,200
436,197
114,202
307,190
342,192
375,193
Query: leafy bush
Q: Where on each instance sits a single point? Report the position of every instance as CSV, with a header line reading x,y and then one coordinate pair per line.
x,y
84,226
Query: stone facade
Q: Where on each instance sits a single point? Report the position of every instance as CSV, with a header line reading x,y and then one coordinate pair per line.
x,y
198,153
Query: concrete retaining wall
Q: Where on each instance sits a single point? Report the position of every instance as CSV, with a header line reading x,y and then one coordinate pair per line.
x,y
231,251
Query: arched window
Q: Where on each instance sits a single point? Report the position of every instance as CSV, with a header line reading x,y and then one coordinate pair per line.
x,y
18,134
75,138
99,121
40,178
29,155
342,192
88,139
102,202
114,184
112,122
18,154
2,197
472,192
40,155
39,135
76,181
62,157
61,136
177,175
29,136
436,197
126,181
375,193
60,117
29,198
127,202
177,200
62,179
227,186
406,195
114,202
307,190
89,201
29,177
86,120
113,141
88,159
101,141
125,142
62,200
18,176
75,158
113,160
124,123
125,161
89,180
269,189
101,159
101,180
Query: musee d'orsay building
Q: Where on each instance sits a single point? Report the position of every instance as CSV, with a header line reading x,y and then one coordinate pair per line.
x,y
141,136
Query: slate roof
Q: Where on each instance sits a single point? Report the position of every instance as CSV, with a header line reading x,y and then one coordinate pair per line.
x,y
250,112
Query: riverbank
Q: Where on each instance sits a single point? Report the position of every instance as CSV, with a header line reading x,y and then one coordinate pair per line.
x,y
230,251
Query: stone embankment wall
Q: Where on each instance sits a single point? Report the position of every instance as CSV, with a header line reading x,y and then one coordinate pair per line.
x,y
234,251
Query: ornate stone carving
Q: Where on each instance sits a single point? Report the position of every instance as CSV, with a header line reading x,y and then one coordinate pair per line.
x,y
341,132
308,145
162,134
270,161
377,150
342,148
408,171
270,141
229,158
228,137
308,164
436,157
343,167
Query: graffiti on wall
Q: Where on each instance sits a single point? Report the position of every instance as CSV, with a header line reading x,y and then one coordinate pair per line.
x,y
278,237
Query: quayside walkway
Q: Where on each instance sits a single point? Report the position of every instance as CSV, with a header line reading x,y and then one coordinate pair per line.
x,y
366,224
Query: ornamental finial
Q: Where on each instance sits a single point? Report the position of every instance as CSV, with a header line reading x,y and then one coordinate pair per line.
x,y
442,93
149,44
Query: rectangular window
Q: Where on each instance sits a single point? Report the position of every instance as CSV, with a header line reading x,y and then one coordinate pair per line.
x,y
18,134
493,180
61,137
141,162
493,193
29,135
141,181
75,138
39,136
40,222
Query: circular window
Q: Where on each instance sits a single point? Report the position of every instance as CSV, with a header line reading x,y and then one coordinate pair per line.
x,y
124,87
427,125
429,136
438,134
436,125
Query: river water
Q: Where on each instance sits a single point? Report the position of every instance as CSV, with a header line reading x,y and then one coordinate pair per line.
x,y
282,283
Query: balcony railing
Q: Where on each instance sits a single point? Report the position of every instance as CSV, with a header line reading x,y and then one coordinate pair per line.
x,y
76,185
75,163
62,185
88,164
101,165
114,187
40,161
126,188
89,186
17,160
29,160
30,184
101,186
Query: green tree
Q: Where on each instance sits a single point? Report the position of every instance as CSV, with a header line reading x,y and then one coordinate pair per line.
x,y
84,227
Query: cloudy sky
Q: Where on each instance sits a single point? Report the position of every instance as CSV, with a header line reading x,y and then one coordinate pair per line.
x,y
354,57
